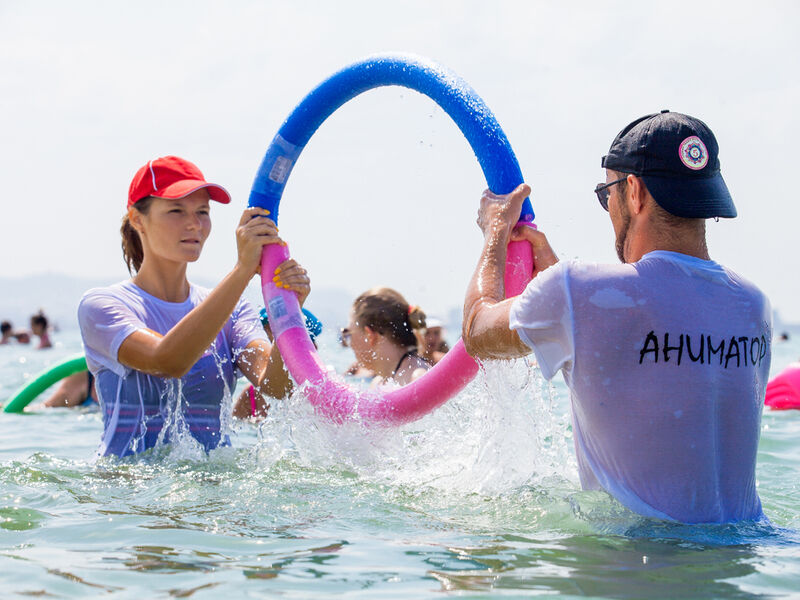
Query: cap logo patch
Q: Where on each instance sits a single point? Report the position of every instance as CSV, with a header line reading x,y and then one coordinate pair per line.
x,y
693,153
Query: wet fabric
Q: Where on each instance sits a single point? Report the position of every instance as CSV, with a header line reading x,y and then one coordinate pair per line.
x,y
141,410
667,362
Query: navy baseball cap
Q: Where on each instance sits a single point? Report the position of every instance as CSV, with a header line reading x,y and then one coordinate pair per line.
x,y
677,156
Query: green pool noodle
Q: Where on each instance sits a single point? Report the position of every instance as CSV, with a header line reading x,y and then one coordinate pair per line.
x,y
31,390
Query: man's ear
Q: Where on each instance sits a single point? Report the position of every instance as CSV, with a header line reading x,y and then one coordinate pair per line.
x,y
371,334
637,194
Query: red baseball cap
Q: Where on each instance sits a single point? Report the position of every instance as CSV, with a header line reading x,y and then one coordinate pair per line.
x,y
172,177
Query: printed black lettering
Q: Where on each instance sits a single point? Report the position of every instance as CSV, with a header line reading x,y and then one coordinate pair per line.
x,y
650,339
668,348
746,351
733,344
755,347
700,356
712,350
744,340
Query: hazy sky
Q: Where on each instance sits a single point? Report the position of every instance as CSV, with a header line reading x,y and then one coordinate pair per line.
x,y
386,191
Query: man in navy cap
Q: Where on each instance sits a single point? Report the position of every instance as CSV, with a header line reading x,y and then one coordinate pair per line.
x,y
667,354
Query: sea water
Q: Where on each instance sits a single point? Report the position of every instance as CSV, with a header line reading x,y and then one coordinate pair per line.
x,y
478,499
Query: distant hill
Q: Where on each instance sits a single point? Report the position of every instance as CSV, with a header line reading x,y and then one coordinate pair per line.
x,y
58,296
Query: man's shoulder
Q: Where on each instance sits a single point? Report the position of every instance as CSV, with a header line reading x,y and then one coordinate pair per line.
x,y
709,270
742,281
574,276
577,270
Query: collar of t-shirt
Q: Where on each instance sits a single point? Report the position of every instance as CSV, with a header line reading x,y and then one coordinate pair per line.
x,y
689,263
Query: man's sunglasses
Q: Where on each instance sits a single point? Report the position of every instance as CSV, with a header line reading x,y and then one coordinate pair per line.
x,y
603,192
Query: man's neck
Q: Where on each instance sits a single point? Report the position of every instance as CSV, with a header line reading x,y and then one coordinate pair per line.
x,y
689,240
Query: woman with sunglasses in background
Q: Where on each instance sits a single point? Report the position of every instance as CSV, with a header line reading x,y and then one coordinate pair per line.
x,y
384,334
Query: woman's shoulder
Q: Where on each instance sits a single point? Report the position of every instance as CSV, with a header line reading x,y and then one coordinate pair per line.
x,y
418,362
413,368
117,290
104,310
198,292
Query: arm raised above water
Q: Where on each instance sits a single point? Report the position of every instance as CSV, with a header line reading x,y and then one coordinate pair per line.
x,y
263,365
173,354
486,330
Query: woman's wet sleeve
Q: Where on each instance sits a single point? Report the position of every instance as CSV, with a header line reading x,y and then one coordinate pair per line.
x,y
105,322
246,327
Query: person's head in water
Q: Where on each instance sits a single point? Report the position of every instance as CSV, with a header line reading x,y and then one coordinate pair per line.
x,y
662,181
39,323
168,213
310,320
7,331
387,313
383,332
435,345
39,326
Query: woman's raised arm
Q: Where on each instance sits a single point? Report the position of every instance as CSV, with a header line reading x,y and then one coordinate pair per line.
x,y
173,354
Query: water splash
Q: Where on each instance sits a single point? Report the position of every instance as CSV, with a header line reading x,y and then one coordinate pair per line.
x,y
500,433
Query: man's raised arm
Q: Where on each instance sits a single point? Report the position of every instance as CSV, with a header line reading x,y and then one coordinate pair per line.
x,y
486,330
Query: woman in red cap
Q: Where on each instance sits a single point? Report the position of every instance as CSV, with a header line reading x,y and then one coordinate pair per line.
x,y
164,352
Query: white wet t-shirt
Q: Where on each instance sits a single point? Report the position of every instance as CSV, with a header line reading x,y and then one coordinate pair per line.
x,y
141,410
667,361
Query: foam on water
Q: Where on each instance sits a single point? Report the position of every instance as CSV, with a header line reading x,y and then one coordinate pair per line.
x,y
498,434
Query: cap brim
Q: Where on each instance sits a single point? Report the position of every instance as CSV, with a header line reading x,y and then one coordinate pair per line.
x,y
181,189
692,198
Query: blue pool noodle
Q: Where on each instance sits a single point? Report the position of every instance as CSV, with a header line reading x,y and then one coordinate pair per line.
x,y
448,90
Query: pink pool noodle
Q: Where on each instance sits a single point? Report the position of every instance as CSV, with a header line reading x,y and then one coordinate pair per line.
x,y
336,400
783,390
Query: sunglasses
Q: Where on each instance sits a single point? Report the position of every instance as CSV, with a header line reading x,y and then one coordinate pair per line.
x,y
344,336
603,192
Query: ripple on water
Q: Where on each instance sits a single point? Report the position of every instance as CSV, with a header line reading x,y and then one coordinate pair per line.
x,y
15,518
480,497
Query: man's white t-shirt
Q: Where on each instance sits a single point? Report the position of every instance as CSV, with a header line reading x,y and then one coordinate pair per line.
x,y
667,361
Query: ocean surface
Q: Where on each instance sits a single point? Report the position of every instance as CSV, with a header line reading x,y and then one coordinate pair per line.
x,y
479,499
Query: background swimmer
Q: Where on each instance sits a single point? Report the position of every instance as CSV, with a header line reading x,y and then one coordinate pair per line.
x,y
75,390
435,346
383,334
39,328
250,403
9,335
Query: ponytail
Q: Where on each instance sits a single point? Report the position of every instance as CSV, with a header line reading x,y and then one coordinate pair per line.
x,y
416,318
132,250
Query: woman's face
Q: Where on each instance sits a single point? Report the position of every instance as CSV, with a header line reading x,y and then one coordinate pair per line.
x,y
360,342
433,338
176,229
